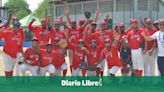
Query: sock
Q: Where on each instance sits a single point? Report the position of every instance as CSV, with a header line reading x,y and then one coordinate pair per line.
x,y
102,73
84,72
98,71
64,72
9,73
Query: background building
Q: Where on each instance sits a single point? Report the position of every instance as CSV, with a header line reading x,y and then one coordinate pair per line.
x,y
119,10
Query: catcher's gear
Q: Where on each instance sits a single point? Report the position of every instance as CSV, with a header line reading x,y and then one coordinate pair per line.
x,y
63,43
87,14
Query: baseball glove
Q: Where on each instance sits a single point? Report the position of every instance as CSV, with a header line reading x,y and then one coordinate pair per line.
x,y
87,14
63,43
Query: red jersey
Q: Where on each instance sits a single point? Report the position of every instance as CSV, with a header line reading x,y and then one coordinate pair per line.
x,y
78,55
42,35
112,57
149,33
13,42
46,58
59,57
60,34
32,56
135,38
106,34
94,55
76,32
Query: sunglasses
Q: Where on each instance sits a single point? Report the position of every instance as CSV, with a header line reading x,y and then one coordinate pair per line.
x,y
161,24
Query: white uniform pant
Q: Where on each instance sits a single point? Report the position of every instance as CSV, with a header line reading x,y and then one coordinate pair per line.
x,y
63,67
10,63
149,63
50,68
113,70
137,59
26,67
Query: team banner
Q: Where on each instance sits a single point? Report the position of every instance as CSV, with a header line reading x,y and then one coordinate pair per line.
x,y
81,84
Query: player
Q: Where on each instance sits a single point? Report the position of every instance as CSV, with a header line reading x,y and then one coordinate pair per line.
x,y
11,51
93,57
135,41
79,53
41,32
31,59
47,57
59,62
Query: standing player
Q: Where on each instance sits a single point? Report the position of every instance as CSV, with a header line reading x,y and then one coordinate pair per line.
x,y
11,51
47,57
41,32
31,59
135,41
59,62
150,50
159,36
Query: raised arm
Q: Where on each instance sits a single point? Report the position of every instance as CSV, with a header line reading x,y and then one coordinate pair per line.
x,y
97,15
66,12
147,38
30,25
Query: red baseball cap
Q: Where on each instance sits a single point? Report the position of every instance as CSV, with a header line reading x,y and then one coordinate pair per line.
x,y
57,21
102,23
82,20
148,20
107,40
133,21
122,25
73,21
34,39
57,39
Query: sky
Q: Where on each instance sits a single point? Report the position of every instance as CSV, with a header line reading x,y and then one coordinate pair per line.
x,y
33,4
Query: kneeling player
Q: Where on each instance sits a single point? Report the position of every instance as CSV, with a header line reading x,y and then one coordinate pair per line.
x,y
59,62
31,58
47,56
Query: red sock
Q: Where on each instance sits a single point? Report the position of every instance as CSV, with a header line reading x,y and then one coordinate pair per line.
x,y
98,71
64,72
102,73
139,72
84,72
71,69
9,73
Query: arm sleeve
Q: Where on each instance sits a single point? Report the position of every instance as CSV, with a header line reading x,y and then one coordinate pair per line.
x,y
155,35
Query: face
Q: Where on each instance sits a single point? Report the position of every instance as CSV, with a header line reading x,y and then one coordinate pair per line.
x,y
93,28
149,25
57,43
48,48
107,45
80,44
15,28
44,26
134,26
93,44
34,44
57,26
103,27
161,26
122,29
73,25
81,23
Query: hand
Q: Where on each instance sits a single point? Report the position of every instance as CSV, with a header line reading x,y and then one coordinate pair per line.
x,y
66,11
150,52
144,51
33,20
143,34
97,10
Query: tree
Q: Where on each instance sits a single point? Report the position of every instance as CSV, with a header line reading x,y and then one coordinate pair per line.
x,y
42,9
20,8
